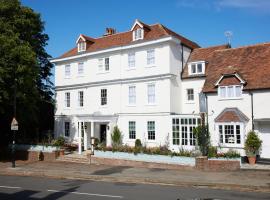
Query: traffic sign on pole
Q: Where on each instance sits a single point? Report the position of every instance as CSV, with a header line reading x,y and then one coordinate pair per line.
x,y
14,125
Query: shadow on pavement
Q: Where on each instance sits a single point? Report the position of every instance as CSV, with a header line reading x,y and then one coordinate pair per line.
x,y
111,170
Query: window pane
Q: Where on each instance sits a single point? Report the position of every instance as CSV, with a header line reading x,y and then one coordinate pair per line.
x,y
220,128
151,130
151,93
132,95
192,137
67,99
107,64
222,92
103,97
238,134
229,134
67,70
193,68
66,129
80,98
190,94
80,68
131,60
176,134
230,91
238,91
199,68
184,135
132,130
150,57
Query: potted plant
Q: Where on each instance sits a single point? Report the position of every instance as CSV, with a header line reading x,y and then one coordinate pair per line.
x,y
252,146
60,142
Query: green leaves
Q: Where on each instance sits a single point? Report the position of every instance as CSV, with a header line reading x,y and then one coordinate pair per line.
x,y
252,143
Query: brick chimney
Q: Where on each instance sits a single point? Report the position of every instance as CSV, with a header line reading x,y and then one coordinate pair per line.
x,y
109,31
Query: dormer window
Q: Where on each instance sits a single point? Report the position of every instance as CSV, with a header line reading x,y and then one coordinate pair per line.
x,y
196,68
138,34
230,91
81,46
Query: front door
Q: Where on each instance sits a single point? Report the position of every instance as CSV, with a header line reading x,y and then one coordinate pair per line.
x,y
103,133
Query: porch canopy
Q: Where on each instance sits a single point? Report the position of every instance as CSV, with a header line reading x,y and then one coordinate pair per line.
x,y
86,127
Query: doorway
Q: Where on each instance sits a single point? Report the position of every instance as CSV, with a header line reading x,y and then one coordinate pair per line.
x,y
103,133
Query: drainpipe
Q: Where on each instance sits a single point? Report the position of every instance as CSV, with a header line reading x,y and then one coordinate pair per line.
x,y
252,113
182,57
206,102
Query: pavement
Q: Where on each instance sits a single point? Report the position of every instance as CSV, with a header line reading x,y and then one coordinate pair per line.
x,y
242,180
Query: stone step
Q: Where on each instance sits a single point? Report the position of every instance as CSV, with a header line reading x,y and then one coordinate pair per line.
x,y
78,159
263,161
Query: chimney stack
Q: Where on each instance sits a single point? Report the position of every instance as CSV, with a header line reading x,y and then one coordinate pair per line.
x,y
109,31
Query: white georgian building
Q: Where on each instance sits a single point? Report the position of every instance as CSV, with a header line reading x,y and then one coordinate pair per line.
x,y
147,82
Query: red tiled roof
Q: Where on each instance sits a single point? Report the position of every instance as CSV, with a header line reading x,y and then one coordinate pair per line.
x,y
156,31
252,62
201,54
231,115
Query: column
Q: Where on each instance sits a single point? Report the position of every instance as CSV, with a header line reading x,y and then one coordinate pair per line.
x,y
85,136
80,140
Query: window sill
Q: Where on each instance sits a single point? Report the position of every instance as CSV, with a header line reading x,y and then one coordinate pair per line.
x,y
103,72
130,69
196,74
150,66
190,102
231,146
103,106
235,98
151,104
131,105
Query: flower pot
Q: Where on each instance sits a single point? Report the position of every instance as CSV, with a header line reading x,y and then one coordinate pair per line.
x,y
62,152
252,160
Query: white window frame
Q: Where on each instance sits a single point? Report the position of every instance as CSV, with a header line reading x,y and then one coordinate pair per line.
x,y
150,57
188,95
67,71
80,68
151,132
136,35
66,129
182,131
132,95
67,99
103,98
226,92
131,60
103,66
81,46
80,98
132,130
233,141
151,95
190,65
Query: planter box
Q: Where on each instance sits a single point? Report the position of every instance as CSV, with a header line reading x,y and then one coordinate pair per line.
x,y
217,164
175,160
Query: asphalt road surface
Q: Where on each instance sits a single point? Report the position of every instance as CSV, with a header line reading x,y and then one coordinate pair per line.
x,y
14,187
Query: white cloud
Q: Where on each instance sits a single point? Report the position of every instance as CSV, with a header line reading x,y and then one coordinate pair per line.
x,y
247,4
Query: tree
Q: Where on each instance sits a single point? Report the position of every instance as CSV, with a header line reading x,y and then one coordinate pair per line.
x,y
203,138
24,64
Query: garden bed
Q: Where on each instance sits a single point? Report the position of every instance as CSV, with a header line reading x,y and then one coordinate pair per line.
x,y
176,160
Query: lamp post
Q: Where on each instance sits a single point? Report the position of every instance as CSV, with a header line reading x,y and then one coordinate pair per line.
x,y
14,123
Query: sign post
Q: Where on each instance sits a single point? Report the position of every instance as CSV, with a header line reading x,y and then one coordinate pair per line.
x,y
14,128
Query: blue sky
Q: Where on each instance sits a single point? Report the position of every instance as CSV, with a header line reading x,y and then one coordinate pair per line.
x,y
203,21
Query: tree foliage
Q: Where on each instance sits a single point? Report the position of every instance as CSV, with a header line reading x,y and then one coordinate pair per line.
x,y
203,139
24,63
252,143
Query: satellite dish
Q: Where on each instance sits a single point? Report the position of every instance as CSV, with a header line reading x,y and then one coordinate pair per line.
x,y
228,35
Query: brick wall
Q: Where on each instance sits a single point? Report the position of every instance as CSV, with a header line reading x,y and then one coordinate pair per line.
x,y
132,163
34,155
202,163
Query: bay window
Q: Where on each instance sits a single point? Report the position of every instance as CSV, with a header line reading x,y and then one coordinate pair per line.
x,y
229,133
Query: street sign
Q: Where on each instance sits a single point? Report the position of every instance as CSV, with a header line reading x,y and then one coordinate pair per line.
x,y
14,124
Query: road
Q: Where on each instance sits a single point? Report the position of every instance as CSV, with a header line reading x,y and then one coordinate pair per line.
x,y
17,187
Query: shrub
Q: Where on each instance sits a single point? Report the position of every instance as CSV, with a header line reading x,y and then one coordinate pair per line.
x,y
231,154
252,143
138,146
212,152
59,142
203,138
116,137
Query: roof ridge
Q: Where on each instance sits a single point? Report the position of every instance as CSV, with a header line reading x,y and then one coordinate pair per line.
x,y
247,46
117,33
215,46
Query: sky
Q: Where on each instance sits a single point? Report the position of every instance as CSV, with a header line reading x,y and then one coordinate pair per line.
x,y
202,21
